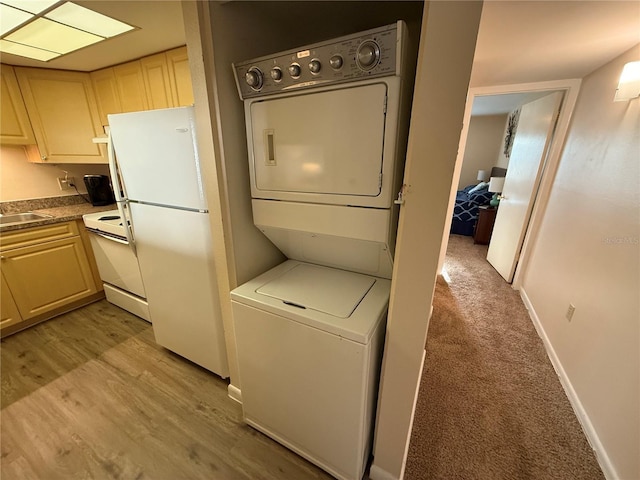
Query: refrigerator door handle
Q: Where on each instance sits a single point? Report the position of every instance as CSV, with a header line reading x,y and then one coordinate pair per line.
x,y
118,188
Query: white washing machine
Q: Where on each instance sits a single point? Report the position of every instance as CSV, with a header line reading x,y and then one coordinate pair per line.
x,y
310,344
326,141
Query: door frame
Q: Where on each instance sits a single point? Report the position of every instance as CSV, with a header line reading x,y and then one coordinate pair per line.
x,y
570,87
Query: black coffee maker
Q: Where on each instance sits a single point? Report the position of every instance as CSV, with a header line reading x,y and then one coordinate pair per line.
x,y
99,190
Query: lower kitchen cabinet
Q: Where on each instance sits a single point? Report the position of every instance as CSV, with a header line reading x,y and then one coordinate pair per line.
x,y
9,314
47,272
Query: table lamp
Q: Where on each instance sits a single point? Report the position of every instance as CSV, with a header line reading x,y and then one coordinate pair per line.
x,y
495,186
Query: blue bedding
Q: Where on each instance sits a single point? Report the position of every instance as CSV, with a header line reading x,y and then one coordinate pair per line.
x,y
465,212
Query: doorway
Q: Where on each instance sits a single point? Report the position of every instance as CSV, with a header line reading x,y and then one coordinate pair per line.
x,y
523,93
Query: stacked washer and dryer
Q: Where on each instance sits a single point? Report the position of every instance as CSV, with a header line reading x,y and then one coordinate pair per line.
x,y
326,131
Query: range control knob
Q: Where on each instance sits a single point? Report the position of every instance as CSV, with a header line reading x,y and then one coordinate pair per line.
x,y
276,74
368,55
254,78
315,66
336,62
294,70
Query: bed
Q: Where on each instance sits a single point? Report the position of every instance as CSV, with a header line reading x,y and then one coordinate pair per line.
x,y
468,200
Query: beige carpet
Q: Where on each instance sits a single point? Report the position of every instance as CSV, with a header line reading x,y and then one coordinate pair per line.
x,y
490,405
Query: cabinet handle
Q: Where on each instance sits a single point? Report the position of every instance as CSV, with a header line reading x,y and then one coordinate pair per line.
x,y
44,157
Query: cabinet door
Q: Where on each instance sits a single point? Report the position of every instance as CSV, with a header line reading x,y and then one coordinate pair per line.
x,y
106,89
156,81
180,77
47,276
15,128
64,115
130,84
9,314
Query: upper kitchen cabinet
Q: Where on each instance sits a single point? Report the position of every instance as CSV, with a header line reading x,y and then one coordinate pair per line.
x,y
119,89
15,128
180,77
130,85
64,115
106,90
156,81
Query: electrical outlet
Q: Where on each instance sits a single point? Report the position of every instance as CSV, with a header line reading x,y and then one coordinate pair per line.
x,y
66,183
570,311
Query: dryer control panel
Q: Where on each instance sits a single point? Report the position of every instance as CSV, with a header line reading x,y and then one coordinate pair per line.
x,y
363,55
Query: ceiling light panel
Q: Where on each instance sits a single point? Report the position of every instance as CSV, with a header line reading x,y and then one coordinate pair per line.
x,y
32,6
10,18
26,51
88,20
49,35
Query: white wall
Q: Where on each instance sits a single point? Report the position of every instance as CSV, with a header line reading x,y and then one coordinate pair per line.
x,y
483,148
21,180
447,44
587,253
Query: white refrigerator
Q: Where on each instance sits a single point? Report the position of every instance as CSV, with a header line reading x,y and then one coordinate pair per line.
x,y
156,173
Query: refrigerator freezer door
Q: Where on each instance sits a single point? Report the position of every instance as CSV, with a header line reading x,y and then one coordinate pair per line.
x,y
174,252
157,156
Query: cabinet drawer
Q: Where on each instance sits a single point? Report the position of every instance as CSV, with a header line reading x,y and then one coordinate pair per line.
x,y
30,236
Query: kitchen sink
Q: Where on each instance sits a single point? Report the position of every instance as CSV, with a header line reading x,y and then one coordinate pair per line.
x,y
19,218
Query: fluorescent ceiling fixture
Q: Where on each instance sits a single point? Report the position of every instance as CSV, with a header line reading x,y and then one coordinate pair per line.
x,y
26,51
49,35
32,6
10,18
55,28
88,20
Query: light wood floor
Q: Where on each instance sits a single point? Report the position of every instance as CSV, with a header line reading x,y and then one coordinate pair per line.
x,y
89,395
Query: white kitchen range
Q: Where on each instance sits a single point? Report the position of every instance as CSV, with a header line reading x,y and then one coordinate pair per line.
x,y
326,129
117,262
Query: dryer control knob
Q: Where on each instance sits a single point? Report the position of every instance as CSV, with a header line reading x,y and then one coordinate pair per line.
x,y
336,62
294,70
368,55
253,77
276,74
315,66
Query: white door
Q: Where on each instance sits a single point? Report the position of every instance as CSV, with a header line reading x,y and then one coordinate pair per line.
x,y
526,163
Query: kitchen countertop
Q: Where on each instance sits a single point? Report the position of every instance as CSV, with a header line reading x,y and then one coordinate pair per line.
x,y
61,209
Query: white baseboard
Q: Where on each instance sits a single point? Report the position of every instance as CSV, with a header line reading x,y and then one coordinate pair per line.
x,y
588,428
234,393
377,473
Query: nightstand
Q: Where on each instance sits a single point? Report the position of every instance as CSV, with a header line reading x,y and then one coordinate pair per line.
x,y
484,225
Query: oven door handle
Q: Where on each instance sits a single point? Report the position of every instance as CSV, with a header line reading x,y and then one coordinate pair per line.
x,y
110,237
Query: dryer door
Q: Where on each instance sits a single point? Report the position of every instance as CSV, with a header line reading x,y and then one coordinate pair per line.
x,y
329,142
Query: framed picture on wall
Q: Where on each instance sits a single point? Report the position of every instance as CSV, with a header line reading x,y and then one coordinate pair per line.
x,y
512,126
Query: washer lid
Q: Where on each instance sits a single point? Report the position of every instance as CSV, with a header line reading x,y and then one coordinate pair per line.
x,y
330,291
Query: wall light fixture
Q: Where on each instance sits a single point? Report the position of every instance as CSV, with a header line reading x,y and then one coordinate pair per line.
x,y
629,85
